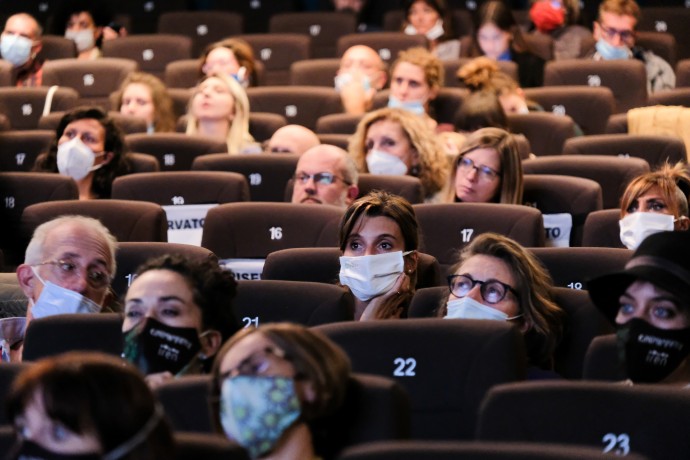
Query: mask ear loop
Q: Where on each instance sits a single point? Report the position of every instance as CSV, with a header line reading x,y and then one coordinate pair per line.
x,y
139,437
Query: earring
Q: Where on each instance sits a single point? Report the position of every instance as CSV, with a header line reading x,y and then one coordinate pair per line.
x,y
414,170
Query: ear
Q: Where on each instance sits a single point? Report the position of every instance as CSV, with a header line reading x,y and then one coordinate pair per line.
x,y
411,260
596,30
307,390
352,193
108,157
99,32
683,224
433,92
211,342
27,279
380,80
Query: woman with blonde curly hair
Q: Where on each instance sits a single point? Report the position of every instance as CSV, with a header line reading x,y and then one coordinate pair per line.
x,y
497,279
396,142
653,202
488,169
219,109
145,96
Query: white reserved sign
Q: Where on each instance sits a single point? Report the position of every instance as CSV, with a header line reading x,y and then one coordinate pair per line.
x,y
186,222
558,228
244,269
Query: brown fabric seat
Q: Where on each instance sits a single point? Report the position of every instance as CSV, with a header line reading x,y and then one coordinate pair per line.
x,y
202,27
626,78
21,148
339,140
256,14
676,96
267,175
57,47
143,163
602,361
144,15
386,44
174,151
589,107
407,187
5,73
315,72
184,73
323,27
683,72
662,44
276,52
128,124
546,132
301,105
612,173
602,229
151,52
263,125
8,372
540,44
193,446
442,109
670,19
338,123
655,150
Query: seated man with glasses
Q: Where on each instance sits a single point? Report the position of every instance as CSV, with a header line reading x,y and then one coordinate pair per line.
x,y
614,31
325,174
497,279
68,267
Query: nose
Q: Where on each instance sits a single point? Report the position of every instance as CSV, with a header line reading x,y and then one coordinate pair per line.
x,y
475,294
471,174
370,251
78,283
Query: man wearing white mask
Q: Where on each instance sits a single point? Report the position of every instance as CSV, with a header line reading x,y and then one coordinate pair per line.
x,y
19,45
614,31
68,267
361,74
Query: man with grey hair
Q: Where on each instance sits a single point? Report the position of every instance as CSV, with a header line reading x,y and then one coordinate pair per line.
x,y
325,174
19,44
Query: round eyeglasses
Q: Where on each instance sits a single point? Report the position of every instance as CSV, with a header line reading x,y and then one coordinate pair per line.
x,y
491,290
484,172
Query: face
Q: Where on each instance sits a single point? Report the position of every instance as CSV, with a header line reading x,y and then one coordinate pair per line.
x,y
354,5
493,41
309,191
137,101
483,268
388,136
82,21
474,185
221,60
23,26
658,307
163,295
212,100
78,247
513,103
249,356
364,60
374,235
91,133
35,425
615,29
422,17
650,201
408,83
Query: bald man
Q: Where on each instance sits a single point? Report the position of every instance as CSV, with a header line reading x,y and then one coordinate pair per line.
x,y
325,174
294,139
19,44
361,74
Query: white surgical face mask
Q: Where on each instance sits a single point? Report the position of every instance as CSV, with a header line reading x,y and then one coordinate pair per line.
x,y
371,276
637,226
468,308
15,49
416,107
75,159
432,34
380,162
82,38
56,300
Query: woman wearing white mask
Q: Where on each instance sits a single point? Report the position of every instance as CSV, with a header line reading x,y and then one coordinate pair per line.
x,y
396,142
654,202
88,147
497,279
430,18
379,236
178,312
87,23
284,373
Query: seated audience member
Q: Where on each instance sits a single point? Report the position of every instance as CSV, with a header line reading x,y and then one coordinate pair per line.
x,y
654,202
219,109
178,312
271,382
356,7
614,31
68,267
325,174
233,58
497,279
416,78
361,74
86,406
497,36
649,303
480,109
560,19
431,19
396,142
88,24
379,238
487,170
88,147
295,139
145,96
20,43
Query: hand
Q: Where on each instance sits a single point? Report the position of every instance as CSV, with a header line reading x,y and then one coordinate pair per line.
x,y
402,286
356,96
158,379
110,34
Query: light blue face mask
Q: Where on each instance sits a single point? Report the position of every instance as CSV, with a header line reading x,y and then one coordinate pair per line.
x,y
609,52
56,300
15,49
416,107
468,308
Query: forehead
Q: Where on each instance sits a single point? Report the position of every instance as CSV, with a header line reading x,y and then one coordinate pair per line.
x,y
386,127
138,89
214,82
617,21
483,267
375,226
409,71
21,25
319,161
243,349
422,5
86,125
77,241
486,156
361,53
489,29
221,53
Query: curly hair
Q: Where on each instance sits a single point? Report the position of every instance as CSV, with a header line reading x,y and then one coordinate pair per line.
x,y
430,64
542,317
483,74
163,115
114,142
213,289
433,166
673,182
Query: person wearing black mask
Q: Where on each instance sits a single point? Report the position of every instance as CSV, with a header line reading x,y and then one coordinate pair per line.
x,y
649,302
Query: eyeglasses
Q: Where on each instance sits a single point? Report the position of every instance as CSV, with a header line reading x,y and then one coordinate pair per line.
x,y
492,291
610,33
255,364
484,172
321,178
67,271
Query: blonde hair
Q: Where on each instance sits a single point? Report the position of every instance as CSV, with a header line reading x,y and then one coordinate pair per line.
x,y
430,64
673,182
483,74
433,166
163,115
238,134
504,144
620,8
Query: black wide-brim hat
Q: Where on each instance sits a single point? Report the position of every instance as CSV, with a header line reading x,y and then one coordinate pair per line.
x,y
663,259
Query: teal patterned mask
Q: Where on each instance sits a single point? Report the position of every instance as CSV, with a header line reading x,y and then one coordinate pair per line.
x,y
255,411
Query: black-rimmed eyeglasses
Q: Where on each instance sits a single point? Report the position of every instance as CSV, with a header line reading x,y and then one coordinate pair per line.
x,y
492,291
